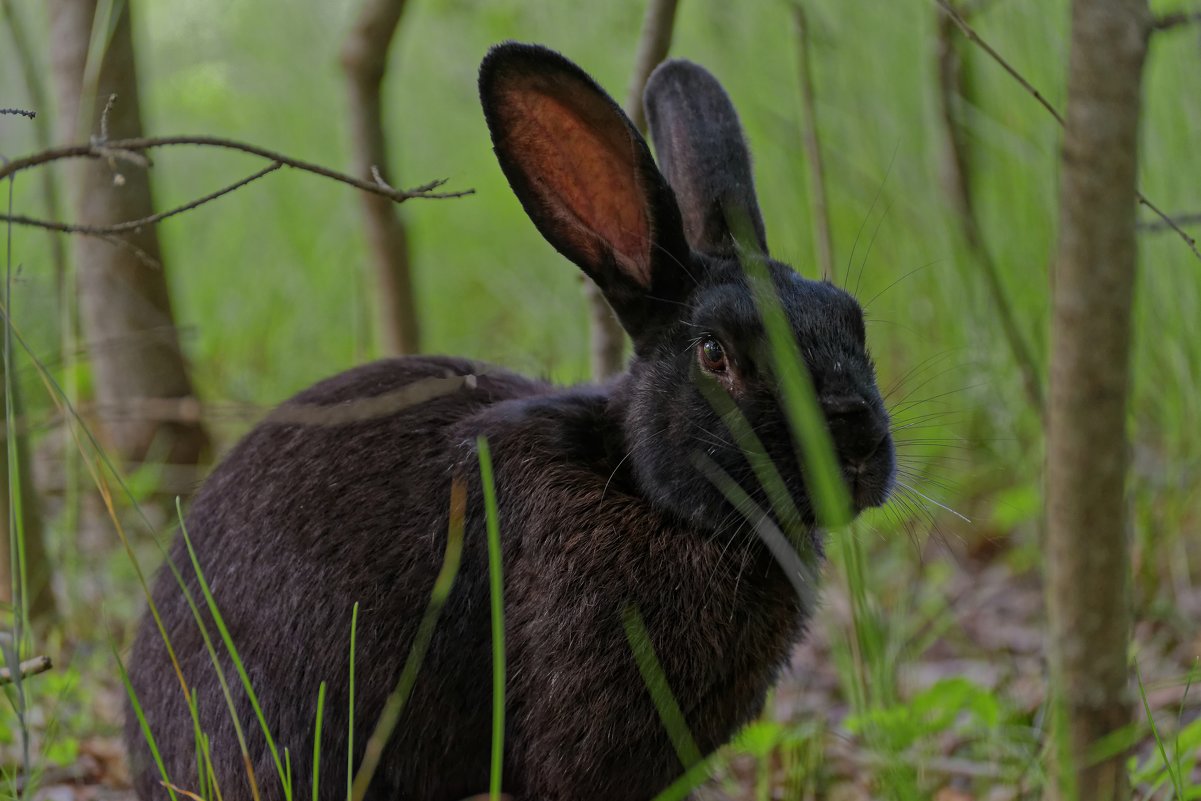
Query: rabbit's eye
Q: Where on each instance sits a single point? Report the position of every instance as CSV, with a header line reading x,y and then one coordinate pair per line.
x,y
712,355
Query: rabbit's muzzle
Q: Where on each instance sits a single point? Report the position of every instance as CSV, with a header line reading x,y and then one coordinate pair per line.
x,y
864,448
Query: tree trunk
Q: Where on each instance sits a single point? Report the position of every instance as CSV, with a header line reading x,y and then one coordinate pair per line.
x,y
1087,451
124,304
38,595
365,60
37,592
608,338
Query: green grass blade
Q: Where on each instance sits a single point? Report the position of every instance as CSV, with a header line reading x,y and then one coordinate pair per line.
x,y
823,477
765,470
1169,764
393,707
354,627
238,666
802,572
202,768
693,778
496,583
76,424
143,724
317,739
656,684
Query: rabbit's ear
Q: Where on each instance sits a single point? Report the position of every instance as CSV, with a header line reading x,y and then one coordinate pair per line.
x,y
701,150
587,180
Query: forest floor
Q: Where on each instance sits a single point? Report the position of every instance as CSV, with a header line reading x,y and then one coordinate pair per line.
x,y
990,639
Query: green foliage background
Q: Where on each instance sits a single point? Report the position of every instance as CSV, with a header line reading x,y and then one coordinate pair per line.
x,y
272,285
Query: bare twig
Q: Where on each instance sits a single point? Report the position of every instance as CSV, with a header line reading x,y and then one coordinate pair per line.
x,y
1169,223
971,34
954,93
104,115
30,667
132,225
1160,225
139,254
1176,19
103,150
20,112
813,153
181,791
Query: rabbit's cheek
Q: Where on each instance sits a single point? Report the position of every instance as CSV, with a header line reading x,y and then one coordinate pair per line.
x,y
728,381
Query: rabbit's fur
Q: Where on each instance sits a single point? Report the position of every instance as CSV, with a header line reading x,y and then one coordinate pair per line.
x,y
343,495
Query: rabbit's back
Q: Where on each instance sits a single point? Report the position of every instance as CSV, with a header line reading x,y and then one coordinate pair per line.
x,y
341,495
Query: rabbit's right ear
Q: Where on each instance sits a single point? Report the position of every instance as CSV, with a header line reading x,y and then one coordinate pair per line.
x,y
701,148
586,178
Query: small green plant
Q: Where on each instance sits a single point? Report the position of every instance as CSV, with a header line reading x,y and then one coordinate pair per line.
x,y
1172,764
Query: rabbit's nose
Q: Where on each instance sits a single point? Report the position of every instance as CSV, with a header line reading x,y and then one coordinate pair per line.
x,y
842,405
855,427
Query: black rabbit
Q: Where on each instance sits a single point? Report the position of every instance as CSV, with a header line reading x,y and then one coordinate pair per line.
x,y
343,495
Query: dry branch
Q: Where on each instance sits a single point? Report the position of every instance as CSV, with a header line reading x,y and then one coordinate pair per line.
x,y
181,791
1179,219
30,667
98,150
813,152
133,225
365,61
1176,19
20,112
971,34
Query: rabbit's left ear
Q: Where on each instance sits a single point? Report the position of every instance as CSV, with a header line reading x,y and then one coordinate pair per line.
x,y
586,178
703,153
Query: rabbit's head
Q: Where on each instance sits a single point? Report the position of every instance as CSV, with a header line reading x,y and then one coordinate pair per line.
x,y
669,250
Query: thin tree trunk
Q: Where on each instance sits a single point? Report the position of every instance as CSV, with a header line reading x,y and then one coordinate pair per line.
x,y
41,127
955,93
365,60
1087,451
608,338
122,284
653,45
37,591
42,606
824,241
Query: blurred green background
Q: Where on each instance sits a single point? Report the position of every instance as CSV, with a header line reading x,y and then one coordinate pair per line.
x,y
271,284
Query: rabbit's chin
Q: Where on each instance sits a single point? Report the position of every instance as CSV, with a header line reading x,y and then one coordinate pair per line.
x,y
871,483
